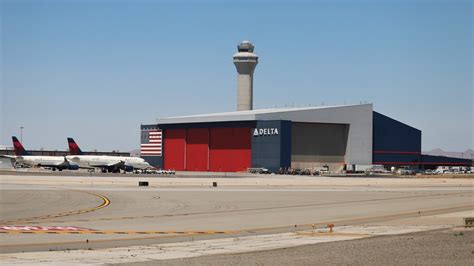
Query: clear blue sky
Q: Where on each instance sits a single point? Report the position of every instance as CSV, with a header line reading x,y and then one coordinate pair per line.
x,y
96,70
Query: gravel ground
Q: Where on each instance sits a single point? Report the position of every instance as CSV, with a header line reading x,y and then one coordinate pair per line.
x,y
446,247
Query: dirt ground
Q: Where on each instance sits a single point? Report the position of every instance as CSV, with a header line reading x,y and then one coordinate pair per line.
x,y
442,247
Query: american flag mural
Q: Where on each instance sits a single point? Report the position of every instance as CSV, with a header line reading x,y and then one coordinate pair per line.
x,y
152,143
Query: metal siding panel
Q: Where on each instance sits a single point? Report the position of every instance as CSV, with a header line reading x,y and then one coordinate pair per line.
x,y
228,124
271,151
197,149
408,158
442,160
285,146
393,141
149,127
266,149
156,161
175,149
229,149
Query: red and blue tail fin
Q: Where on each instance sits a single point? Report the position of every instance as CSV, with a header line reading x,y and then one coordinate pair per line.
x,y
18,147
73,147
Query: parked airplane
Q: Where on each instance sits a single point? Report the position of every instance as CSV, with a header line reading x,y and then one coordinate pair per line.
x,y
24,157
106,163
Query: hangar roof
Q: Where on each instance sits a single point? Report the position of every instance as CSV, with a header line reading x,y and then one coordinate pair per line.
x,y
299,114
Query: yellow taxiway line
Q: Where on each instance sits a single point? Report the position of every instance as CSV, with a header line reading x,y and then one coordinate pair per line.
x,y
105,203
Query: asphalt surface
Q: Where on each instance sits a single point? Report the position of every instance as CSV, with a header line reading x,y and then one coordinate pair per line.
x,y
113,211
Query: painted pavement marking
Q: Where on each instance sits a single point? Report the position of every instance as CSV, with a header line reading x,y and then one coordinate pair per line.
x,y
105,203
88,231
43,228
158,252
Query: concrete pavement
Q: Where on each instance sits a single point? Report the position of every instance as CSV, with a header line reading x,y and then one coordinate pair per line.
x,y
176,210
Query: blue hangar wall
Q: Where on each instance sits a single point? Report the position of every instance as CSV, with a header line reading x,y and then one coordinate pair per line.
x,y
395,143
271,144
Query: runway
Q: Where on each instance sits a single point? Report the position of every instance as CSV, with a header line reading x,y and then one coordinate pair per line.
x,y
67,212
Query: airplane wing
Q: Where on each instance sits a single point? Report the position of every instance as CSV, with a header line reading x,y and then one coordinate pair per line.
x,y
115,164
10,156
112,164
80,163
85,163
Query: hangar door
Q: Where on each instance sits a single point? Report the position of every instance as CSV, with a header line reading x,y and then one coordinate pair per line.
x,y
317,144
197,149
175,149
230,149
207,149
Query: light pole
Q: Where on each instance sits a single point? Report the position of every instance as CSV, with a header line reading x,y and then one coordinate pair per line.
x,y
21,134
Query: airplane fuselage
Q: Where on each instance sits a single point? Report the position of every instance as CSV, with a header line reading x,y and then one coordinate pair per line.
x,y
104,161
44,161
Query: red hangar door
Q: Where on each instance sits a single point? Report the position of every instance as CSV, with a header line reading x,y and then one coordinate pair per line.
x,y
229,149
175,149
208,149
197,149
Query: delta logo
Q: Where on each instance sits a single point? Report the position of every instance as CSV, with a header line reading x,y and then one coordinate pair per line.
x,y
265,132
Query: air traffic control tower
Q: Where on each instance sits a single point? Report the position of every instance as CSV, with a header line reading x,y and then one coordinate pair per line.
x,y
245,61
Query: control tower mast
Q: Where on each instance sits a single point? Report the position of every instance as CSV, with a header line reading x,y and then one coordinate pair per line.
x,y
245,62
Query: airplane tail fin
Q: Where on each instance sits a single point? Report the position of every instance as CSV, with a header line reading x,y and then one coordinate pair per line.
x,y
18,147
73,147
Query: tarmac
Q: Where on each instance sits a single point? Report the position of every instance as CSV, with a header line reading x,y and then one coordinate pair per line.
x,y
435,247
45,212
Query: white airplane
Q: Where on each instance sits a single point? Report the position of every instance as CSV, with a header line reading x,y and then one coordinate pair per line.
x,y
54,162
106,163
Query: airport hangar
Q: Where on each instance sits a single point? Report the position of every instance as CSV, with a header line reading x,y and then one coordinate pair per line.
x,y
339,137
